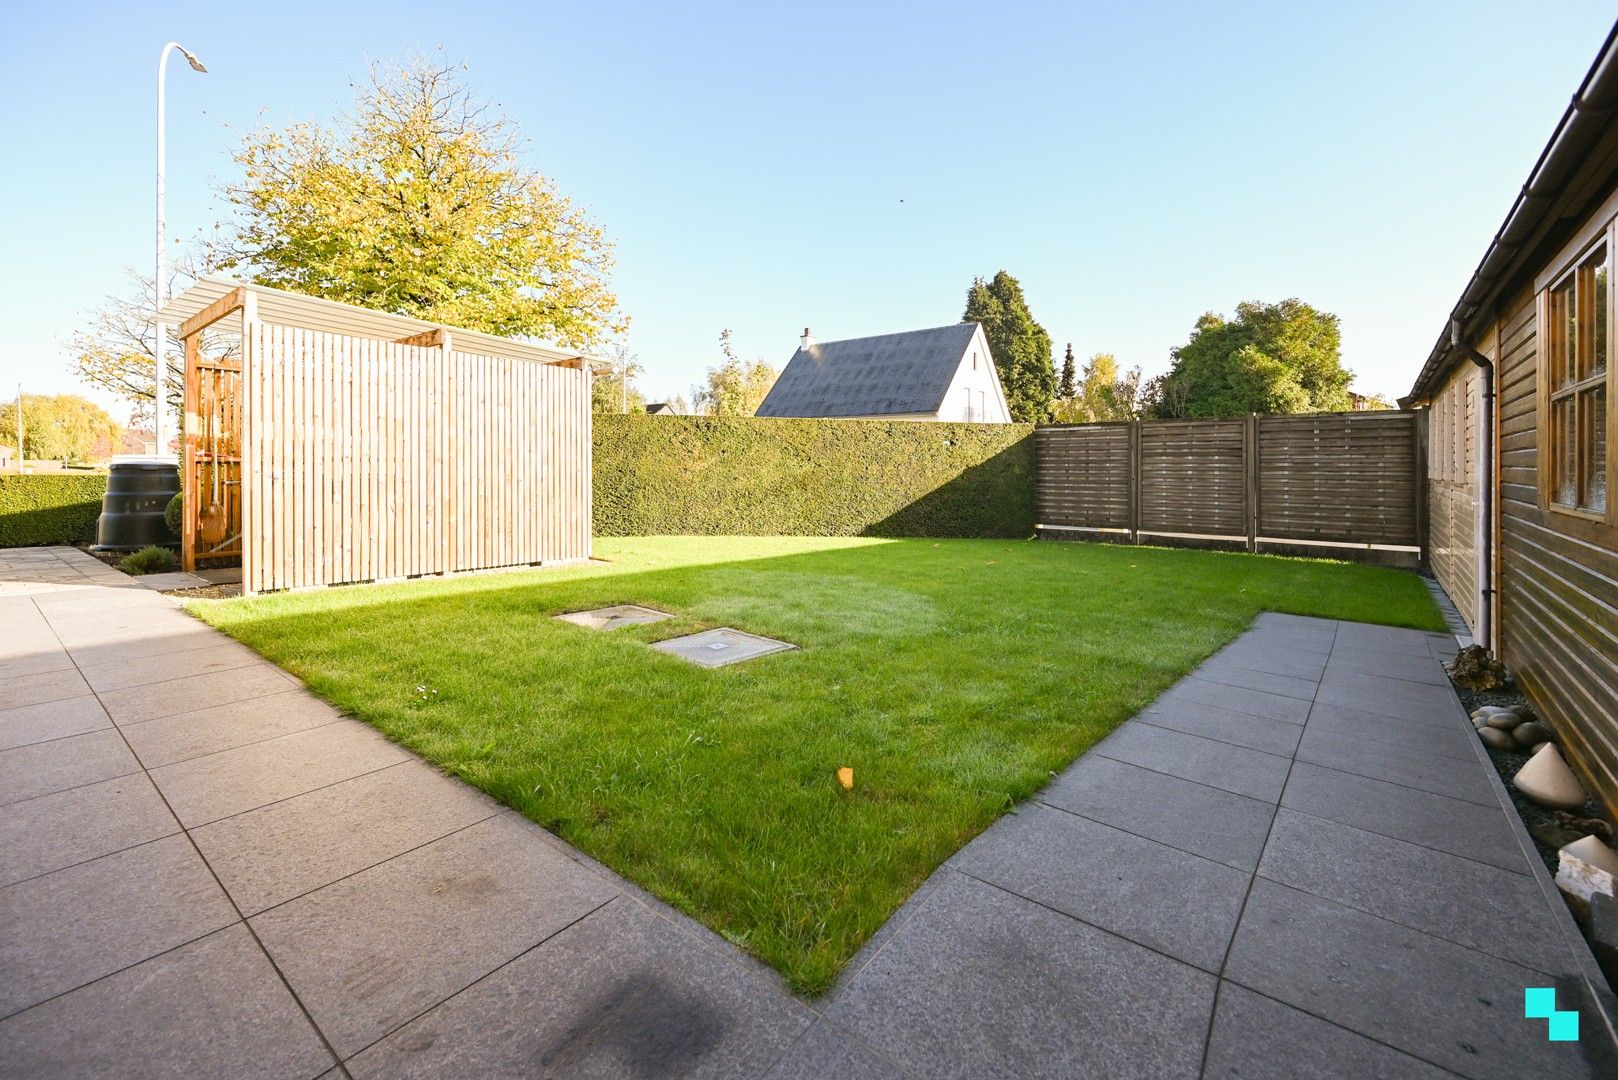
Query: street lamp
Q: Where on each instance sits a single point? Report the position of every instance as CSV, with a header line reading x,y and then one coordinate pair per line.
x,y
162,283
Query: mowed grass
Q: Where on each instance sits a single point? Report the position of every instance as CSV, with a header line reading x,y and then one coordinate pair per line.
x,y
953,676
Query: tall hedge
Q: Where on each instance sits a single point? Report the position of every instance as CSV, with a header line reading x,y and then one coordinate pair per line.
x,y
749,476
50,509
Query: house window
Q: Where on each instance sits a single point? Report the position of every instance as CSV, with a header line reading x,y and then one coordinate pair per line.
x,y
1577,397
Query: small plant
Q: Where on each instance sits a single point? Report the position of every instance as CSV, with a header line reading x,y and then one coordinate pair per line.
x,y
151,560
173,513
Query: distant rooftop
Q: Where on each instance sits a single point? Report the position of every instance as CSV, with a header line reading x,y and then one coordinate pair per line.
x,y
888,374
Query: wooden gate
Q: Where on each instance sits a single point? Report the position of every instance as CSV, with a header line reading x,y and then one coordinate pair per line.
x,y
212,529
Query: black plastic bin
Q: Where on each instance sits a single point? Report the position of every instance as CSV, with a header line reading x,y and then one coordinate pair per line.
x,y
138,491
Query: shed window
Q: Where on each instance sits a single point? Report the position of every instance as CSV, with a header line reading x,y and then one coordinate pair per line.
x,y
1578,405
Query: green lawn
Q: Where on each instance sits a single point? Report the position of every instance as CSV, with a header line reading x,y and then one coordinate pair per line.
x,y
954,676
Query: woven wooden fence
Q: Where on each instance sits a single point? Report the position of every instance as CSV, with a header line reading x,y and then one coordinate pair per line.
x,y
1336,480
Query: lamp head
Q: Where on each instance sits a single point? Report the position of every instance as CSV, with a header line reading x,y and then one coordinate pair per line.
x,y
191,58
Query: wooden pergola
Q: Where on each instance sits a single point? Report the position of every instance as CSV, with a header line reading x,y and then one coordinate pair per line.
x,y
339,444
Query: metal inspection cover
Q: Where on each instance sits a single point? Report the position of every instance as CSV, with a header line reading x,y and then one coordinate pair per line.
x,y
611,618
716,648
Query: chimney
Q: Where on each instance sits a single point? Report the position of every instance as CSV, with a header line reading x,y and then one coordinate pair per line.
x,y
807,340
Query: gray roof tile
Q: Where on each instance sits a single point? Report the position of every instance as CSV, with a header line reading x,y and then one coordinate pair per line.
x,y
871,376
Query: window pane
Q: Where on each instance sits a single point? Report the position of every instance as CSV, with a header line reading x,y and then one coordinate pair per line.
x,y
1593,418
1563,446
1599,308
1564,334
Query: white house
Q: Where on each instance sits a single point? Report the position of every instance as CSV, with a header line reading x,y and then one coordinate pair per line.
x,y
945,373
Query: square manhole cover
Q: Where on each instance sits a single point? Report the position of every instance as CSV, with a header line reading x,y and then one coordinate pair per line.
x,y
716,648
611,618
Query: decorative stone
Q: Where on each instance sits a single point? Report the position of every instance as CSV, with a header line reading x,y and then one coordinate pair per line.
x,y
1594,852
1479,722
1530,734
1479,714
1585,867
1475,669
1547,780
1493,709
1505,721
1494,738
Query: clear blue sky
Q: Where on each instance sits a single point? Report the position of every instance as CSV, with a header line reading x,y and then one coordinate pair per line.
x,y
852,167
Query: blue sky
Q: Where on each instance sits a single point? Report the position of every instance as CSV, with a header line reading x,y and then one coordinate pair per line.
x,y
852,167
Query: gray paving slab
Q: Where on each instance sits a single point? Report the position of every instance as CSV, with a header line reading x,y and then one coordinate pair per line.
x,y
213,1008
1177,903
620,993
270,855
1190,757
1228,672
1256,1038
144,671
1211,722
223,727
51,720
50,832
1276,659
1439,773
61,930
1447,738
981,983
1457,826
1203,820
1391,697
370,952
1419,669
827,1050
153,701
172,581
1432,998
1200,691
33,659
20,690
243,778
27,772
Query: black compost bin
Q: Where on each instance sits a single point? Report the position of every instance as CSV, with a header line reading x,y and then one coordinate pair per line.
x,y
138,490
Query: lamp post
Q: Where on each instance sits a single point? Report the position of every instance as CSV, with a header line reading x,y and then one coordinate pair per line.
x,y
161,283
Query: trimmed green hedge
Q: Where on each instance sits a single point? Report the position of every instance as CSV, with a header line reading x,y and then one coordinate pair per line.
x,y
746,476
50,509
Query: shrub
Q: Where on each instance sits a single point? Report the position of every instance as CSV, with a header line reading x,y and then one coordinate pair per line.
x,y
747,476
150,560
173,513
49,509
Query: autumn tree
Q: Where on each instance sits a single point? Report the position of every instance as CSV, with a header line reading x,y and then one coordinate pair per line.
x,y
736,387
418,203
1271,358
1021,347
1102,394
61,427
616,392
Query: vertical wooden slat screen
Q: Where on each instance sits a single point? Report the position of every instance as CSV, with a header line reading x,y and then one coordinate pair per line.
x,y
1344,479
372,460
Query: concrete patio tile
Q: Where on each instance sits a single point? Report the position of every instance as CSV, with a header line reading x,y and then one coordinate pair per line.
x,y
143,671
222,727
1381,638
1302,627
981,983
213,1008
1194,691
1174,902
36,659
1421,669
1467,829
81,823
1452,776
1211,722
1228,672
60,931
372,951
1278,660
620,993
1191,757
277,852
1454,1006
1206,821
27,772
51,720
1255,1038
208,788
45,686
1394,697
1446,739
827,1050
152,702
115,637
1470,903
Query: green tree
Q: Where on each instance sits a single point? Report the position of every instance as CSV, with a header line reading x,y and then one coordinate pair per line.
x,y
617,392
736,387
1102,394
1021,347
1271,358
61,427
1066,389
417,203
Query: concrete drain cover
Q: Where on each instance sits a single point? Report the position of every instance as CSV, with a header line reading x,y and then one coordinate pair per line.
x,y
716,648
611,618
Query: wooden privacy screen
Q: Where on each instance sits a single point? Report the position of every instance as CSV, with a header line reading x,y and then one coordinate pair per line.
x,y
368,460
1349,479
213,462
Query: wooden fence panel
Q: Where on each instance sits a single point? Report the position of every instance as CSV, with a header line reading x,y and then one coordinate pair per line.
x,y
1346,478
1082,479
370,460
1193,478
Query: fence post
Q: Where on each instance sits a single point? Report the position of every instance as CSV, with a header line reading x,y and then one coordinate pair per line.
x,y
1418,427
1250,460
1134,481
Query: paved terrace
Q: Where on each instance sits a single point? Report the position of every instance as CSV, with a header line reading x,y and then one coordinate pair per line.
x,y
1295,863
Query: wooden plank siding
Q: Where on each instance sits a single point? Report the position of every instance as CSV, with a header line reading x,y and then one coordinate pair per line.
x,y
1558,578
373,460
1452,490
1349,480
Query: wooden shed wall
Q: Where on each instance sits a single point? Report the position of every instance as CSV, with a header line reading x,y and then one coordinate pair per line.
x,y
1558,579
366,460
1452,490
